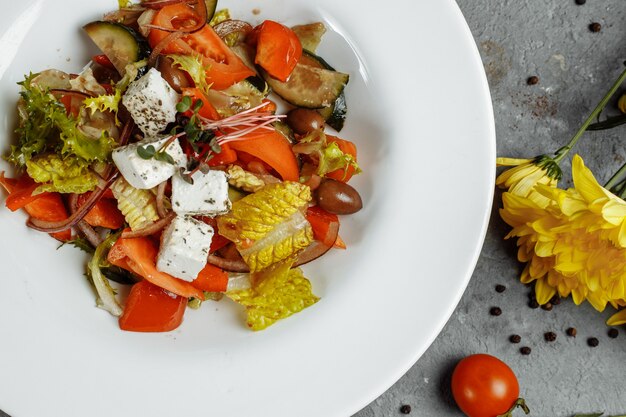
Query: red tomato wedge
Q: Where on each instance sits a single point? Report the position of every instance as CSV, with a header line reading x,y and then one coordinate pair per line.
x,y
272,148
225,68
150,309
140,258
211,279
278,49
44,206
346,147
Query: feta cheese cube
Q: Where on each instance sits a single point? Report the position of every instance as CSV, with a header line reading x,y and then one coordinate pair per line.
x,y
208,195
184,248
151,102
147,173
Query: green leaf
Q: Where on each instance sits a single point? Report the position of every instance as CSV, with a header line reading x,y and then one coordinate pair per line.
x,y
146,152
194,66
80,243
164,157
184,104
197,105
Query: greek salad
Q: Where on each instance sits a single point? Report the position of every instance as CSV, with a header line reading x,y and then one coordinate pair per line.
x,y
168,160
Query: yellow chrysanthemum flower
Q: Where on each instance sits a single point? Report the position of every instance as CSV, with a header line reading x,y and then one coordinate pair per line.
x,y
526,174
573,242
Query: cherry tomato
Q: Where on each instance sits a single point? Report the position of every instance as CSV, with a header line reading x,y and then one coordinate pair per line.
x,y
484,386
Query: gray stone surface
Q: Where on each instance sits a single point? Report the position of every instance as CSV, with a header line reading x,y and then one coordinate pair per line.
x,y
518,39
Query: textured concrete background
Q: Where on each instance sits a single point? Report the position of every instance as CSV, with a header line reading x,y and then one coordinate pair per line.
x,y
517,39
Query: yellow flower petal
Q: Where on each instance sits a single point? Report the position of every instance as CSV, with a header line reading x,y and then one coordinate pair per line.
x,y
543,292
617,319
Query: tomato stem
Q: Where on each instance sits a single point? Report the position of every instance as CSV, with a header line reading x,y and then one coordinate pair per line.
x,y
521,403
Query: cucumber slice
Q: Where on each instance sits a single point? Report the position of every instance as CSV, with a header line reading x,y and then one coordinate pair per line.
x,y
310,35
309,87
335,115
121,44
211,6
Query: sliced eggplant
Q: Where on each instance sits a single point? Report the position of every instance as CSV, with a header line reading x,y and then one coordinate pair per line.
x,y
240,96
309,87
334,115
310,35
121,44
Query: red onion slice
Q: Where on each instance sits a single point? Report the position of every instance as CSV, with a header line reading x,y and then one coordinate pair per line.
x,y
90,234
200,10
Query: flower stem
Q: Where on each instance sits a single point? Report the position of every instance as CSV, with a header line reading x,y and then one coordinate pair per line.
x,y
617,178
560,154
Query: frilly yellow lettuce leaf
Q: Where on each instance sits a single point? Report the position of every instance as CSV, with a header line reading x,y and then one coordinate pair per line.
x,y
69,175
196,69
219,17
332,158
268,226
276,294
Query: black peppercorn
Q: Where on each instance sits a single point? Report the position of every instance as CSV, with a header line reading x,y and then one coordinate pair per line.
x,y
547,306
405,409
500,288
495,311
595,27
571,332
525,350
550,336
532,80
533,304
613,333
515,338
593,342
581,2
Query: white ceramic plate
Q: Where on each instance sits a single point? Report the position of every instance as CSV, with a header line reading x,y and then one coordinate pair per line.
x,y
421,115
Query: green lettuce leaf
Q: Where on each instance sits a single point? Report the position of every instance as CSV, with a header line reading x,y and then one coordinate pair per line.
x,y
276,294
219,17
111,102
196,69
65,175
330,157
45,126
268,226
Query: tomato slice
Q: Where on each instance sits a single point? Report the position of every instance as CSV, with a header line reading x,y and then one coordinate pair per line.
x,y
278,49
151,309
225,68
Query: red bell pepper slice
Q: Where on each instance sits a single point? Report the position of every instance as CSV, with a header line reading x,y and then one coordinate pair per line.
x,y
44,206
272,148
150,309
103,60
207,110
140,258
211,279
320,221
225,68
103,214
278,49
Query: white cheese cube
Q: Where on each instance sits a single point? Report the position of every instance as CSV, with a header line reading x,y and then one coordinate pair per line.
x,y
148,173
184,248
151,102
208,195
